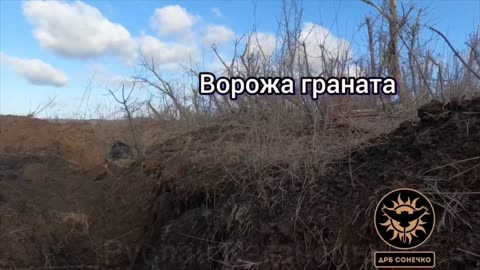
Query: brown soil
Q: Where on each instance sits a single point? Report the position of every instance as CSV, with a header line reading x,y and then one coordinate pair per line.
x,y
83,143
324,220
59,204
197,203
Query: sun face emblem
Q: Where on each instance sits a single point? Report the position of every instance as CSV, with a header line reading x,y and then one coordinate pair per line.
x,y
404,218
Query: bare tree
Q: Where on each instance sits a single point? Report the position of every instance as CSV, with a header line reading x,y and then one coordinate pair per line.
x,y
389,12
386,103
160,84
129,106
468,66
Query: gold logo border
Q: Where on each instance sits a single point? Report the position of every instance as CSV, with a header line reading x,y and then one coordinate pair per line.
x,y
383,198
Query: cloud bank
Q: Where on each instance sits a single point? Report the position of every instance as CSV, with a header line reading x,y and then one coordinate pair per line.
x,y
178,37
218,34
77,30
172,20
35,71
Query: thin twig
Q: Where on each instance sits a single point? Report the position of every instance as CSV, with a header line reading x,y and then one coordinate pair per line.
x,y
469,252
455,52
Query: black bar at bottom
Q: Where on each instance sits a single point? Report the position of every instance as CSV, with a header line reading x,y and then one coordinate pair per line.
x,y
398,259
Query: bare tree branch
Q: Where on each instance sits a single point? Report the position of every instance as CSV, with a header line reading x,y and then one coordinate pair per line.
x,y
455,52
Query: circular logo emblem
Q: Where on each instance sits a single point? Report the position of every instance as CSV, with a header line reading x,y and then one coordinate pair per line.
x,y
404,218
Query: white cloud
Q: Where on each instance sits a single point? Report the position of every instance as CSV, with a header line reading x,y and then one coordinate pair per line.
x,y
320,40
35,71
262,43
218,34
77,30
217,12
172,20
168,55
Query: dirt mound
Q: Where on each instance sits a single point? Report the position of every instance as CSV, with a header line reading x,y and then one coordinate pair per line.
x,y
59,204
209,199
84,143
70,194
53,214
306,217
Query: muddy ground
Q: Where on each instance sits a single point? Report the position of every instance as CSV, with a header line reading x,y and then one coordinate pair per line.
x,y
189,204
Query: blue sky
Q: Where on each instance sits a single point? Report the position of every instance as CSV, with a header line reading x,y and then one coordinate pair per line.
x,y
57,34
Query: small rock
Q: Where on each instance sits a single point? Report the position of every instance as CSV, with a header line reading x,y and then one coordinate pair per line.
x,y
121,150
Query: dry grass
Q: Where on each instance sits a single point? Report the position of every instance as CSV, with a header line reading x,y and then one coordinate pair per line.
x,y
78,223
